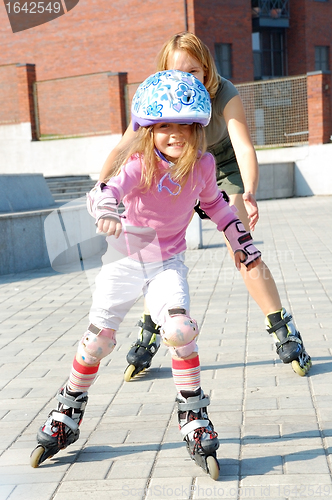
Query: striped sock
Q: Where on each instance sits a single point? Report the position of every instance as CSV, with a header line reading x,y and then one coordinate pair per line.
x,y
186,374
81,377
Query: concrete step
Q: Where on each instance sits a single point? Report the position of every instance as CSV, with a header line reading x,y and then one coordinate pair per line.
x,y
66,188
78,188
68,178
65,197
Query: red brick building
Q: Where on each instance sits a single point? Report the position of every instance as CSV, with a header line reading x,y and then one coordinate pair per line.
x,y
290,37
254,40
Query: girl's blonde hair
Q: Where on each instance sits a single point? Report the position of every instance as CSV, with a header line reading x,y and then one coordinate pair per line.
x,y
143,147
143,144
191,44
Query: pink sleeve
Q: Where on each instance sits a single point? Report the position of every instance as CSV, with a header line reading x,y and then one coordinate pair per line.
x,y
127,180
211,198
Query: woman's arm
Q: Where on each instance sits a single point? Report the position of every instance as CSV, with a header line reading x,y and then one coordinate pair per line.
x,y
238,130
127,137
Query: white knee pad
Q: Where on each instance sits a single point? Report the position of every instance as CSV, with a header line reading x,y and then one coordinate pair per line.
x,y
96,343
179,333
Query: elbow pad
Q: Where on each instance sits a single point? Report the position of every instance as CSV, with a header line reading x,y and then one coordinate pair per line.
x,y
241,241
101,204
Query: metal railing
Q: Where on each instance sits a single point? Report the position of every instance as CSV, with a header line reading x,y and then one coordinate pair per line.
x,y
276,110
270,8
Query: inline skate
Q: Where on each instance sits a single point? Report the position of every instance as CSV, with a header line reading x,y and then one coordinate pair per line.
x,y
197,430
142,351
61,427
288,341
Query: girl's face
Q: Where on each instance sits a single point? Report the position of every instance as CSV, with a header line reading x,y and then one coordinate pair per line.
x,y
170,139
181,60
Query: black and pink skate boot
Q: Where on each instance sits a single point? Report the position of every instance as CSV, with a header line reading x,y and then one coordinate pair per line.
x,y
197,430
61,427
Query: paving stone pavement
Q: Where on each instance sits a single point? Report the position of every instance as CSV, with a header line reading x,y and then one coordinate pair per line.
x,y
275,427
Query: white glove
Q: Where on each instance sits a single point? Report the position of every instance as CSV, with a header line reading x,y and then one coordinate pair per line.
x,y
101,203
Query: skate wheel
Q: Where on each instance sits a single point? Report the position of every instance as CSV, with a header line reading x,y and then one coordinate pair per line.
x,y
213,467
299,370
36,456
128,373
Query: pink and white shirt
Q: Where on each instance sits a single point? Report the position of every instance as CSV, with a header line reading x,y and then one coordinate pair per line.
x,y
165,207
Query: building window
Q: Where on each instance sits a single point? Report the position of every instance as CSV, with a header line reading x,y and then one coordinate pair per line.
x,y
322,57
223,59
256,48
269,53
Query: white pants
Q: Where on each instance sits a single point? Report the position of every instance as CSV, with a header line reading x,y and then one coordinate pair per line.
x,y
119,284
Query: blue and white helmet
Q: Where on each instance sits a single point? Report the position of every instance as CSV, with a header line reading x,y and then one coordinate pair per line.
x,y
170,96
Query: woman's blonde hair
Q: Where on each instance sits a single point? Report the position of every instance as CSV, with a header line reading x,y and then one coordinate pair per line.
x,y
197,49
143,148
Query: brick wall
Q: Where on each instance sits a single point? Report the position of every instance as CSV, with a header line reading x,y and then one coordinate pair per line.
x,y
82,105
124,36
319,108
97,36
9,103
26,77
100,103
308,27
296,38
16,94
228,22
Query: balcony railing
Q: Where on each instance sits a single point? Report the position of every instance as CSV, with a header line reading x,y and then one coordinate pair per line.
x,y
270,13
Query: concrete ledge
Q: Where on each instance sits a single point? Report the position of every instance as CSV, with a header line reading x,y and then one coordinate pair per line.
x,y
71,239
24,192
59,237
22,241
313,172
276,180
63,238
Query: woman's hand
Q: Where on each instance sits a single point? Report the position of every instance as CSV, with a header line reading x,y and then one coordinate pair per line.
x,y
251,207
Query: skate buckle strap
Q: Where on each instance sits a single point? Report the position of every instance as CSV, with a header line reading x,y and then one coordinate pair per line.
x,y
177,310
149,329
194,405
280,324
290,338
70,402
94,329
61,417
193,425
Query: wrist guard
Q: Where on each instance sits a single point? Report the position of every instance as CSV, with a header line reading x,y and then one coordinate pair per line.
x,y
101,204
241,241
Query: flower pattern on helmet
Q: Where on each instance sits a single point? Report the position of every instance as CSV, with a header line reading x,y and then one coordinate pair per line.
x,y
171,96
185,94
154,109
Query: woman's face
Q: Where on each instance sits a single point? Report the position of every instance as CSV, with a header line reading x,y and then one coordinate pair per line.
x,y
181,60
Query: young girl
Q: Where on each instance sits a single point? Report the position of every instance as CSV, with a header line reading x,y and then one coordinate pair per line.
x,y
166,170
229,141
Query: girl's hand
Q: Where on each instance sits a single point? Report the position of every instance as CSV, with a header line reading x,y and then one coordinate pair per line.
x,y
110,227
250,204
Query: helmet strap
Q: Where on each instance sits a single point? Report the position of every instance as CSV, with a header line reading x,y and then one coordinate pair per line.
x,y
162,157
